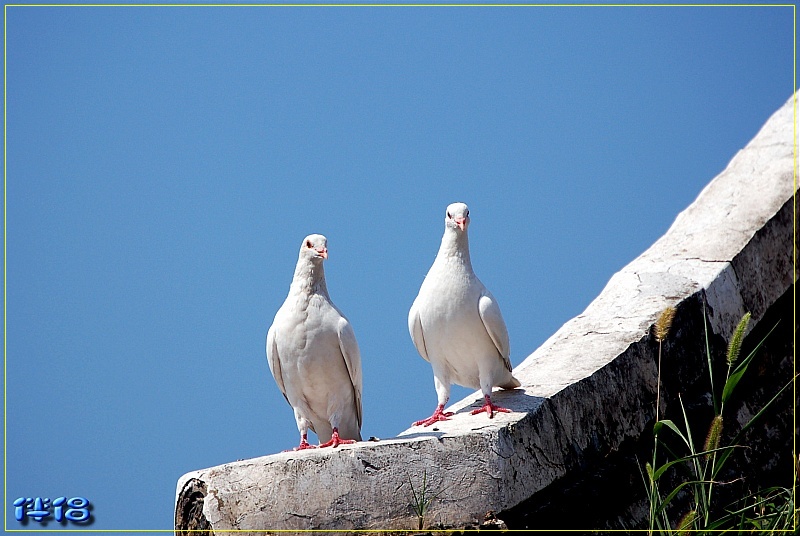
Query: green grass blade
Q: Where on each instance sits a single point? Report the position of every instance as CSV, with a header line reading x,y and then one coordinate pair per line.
x,y
733,380
662,468
672,426
708,357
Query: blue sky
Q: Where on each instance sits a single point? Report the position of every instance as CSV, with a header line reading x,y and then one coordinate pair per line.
x,y
164,164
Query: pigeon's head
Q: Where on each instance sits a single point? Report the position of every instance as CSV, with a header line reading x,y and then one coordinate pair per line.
x,y
457,216
314,247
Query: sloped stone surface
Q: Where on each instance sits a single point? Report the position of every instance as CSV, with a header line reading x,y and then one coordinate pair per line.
x,y
587,400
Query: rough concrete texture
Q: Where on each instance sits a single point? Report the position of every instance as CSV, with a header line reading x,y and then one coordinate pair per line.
x,y
587,400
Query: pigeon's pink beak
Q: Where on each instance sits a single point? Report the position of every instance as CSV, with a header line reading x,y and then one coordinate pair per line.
x,y
323,252
461,222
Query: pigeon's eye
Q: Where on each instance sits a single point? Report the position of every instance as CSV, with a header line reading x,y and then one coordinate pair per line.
x,y
308,244
466,214
449,217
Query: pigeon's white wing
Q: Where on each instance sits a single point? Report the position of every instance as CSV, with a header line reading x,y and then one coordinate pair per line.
x,y
415,329
495,326
352,358
273,361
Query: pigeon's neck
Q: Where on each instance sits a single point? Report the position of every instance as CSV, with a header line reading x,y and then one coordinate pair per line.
x,y
455,248
309,278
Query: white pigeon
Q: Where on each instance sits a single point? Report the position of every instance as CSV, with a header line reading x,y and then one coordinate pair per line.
x,y
456,324
313,355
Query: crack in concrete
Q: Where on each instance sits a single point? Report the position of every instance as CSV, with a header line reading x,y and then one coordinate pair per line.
x,y
295,514
499,454
368,466
541,455
698,259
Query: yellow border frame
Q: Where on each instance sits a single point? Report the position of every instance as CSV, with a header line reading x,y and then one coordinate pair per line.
x,y
5,138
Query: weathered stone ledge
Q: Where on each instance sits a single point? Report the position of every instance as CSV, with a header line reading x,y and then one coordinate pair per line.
x,y
587,396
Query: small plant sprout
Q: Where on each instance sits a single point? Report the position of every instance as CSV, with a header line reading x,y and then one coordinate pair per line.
x,y
421,499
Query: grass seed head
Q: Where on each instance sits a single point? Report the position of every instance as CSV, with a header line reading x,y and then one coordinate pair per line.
x,y
714,434
663,323
735,345
686,522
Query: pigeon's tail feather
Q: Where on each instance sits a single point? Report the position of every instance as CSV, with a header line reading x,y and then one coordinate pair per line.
x,y
514,383
350,432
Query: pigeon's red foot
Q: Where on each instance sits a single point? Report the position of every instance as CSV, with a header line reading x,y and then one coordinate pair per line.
x,y
438,415
336,440
304,444
489,408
